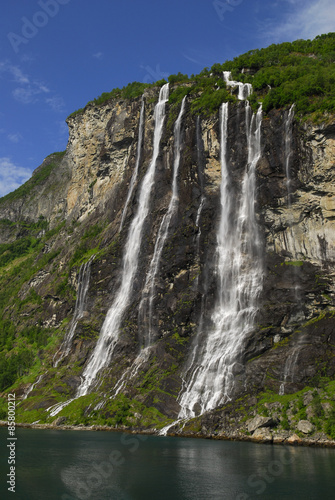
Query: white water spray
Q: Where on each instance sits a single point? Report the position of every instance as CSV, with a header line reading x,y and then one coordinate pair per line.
x,y
109,334
244,89
216,359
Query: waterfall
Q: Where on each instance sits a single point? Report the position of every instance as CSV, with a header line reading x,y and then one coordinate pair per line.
x,y
137,164
110,329
148,294
217,358
32,387
244,89
83,284
201,181
288,151
290,364
291,361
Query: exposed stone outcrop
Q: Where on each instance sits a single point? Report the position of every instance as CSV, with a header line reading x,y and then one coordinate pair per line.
x,y
260,421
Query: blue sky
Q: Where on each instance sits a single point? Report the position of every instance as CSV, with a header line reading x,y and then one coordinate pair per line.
x,y
56,55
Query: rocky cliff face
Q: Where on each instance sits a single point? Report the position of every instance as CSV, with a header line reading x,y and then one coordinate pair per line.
x,y
291,345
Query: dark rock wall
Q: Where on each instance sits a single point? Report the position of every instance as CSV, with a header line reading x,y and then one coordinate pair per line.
x,y
298,246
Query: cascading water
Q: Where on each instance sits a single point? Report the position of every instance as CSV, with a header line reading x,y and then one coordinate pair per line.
x,y
291,361
244,89
289,369
110,329
214,361
201,182
32,387
146,305
145,308
137,164
83,284
288,151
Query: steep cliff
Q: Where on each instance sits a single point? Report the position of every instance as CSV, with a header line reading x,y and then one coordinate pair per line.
x,y
222,291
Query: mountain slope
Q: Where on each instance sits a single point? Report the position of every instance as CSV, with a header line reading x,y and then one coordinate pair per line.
x,y
63,248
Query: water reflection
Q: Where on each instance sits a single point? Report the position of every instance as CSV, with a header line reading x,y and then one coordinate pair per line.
x,y
101,466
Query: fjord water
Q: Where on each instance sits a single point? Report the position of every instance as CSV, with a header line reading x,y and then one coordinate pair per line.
x,y
79,465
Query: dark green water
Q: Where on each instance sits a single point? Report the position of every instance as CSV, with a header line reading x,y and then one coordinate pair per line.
x,y
83,465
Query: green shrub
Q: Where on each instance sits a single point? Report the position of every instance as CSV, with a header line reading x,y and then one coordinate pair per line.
x,y
329,426
14,366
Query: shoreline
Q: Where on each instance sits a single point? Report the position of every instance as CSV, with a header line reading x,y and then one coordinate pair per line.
x,y
292,440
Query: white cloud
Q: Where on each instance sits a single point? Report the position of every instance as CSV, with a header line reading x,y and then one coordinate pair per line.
x,y
27,95
11,176
29,89
98,55
18,75
305,19
14,138
56,103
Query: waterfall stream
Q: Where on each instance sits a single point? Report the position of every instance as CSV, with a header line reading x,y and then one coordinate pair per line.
x,y
137,164
148,294
32,386
110,329
244,89
83,284
216,359
146,304
291,361
288,151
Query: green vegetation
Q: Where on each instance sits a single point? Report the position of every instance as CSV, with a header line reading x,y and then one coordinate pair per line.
x,y
301,72
131,91
293,409
294,263
14,365
22,337
19,248
38,178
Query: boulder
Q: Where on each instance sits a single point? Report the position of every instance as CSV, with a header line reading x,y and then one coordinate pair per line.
x,y
308,398
262,435
305,426
59,421
260,421
294,439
